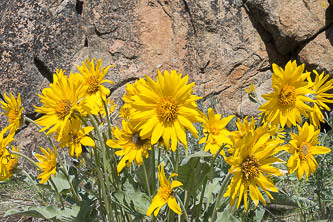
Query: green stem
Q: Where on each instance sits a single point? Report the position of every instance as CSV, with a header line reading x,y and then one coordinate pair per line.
x,y
159,157
215,156
154,175
58,194
146,179
201,199
183,207
26,157
177,160
74,191
36,188
105,189
186,202
222,190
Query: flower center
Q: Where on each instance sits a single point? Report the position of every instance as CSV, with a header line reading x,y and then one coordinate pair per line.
x,y
63,109
287,95
303,151
93,84
250,168
214,130
50,165
167,110
12,115
165,192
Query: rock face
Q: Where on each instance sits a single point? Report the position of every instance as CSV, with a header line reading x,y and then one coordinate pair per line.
x,y
224,45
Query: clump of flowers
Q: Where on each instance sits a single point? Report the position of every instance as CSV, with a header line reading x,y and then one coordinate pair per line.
x,y
97,173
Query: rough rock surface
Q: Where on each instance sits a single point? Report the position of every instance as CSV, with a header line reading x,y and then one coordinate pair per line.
x,y
224,45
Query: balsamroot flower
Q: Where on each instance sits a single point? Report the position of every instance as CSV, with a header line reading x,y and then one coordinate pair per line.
x,y
92,79
303,147
251,168
75,137
163,109
320,86
5,156
47,164
133,147
59,103
9,163
164,194
13,111
287,102
215,132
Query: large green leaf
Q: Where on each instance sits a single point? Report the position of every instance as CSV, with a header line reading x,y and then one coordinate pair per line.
x,y
61,182
193,170
132,200
226,216
76,213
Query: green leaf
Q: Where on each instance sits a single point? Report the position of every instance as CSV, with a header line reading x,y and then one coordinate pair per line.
x,y
194,155
259,214
132,200
226,216
77,213
49,212
61,182
192,171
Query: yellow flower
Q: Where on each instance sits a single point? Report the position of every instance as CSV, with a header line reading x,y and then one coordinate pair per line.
x,y
320,86
4,153
244,127
302,147
165,108
251,168
8,163
13,111
76,136
125,112
133,147
92,79
215,132
287,102
164,194
59,103
47,163
251,89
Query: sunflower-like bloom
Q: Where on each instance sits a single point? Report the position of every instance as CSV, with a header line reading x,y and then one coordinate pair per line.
x,y
320,86
133,147
13,111
59,103
4,153
164,194
9,163
47,163
165,108
302,147
92,79
287,102
75,137
251,168
215,132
